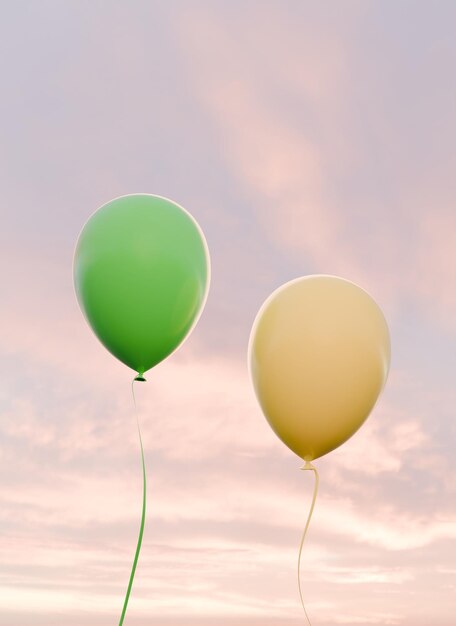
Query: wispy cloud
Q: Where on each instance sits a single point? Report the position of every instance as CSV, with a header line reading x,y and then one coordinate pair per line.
x,y
298,151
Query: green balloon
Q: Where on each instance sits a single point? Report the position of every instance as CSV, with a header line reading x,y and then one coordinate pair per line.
x,y
141,275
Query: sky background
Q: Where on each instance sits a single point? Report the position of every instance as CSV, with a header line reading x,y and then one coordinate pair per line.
x,y
305,137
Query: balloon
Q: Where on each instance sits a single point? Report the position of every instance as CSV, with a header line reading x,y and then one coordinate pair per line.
x,y
141,275
319,356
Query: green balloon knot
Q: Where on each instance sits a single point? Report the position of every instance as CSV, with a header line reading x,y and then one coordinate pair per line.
x,y
140,378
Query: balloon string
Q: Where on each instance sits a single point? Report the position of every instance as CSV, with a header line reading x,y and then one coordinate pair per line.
x,y
143,515
307,466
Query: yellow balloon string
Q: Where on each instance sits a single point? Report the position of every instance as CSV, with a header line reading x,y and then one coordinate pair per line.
x,y
143,513
307,466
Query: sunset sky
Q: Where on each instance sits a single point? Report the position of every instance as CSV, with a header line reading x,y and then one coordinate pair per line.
x,y
305,137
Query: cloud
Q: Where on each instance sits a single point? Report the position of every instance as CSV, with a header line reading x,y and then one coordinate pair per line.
x,y
297,147
202,431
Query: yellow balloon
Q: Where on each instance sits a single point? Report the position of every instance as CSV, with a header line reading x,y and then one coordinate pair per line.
x,y
319,355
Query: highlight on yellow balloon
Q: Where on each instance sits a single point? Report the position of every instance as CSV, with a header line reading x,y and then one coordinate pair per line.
x,y
319,355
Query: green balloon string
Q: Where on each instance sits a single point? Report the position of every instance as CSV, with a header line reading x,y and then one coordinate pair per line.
x,y
143,515
307,466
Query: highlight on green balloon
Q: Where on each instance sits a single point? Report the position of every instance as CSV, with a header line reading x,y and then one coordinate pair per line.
x,y
141,275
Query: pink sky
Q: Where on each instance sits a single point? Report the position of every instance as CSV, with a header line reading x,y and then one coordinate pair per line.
x,y
305,138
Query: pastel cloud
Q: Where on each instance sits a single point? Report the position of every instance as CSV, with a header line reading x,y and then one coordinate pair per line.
x,y
293,173
200,512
